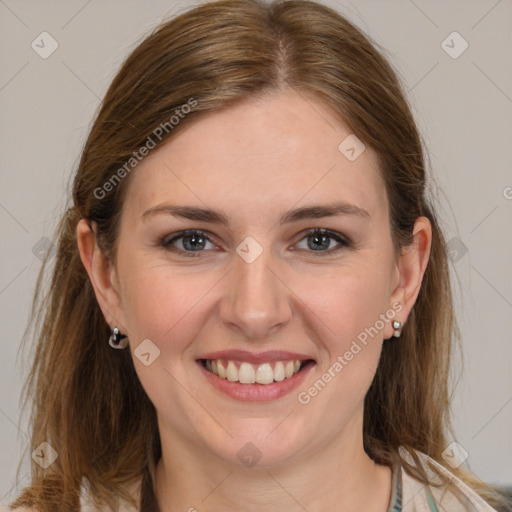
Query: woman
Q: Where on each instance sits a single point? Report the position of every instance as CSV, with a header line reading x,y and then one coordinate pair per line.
x,y
250,307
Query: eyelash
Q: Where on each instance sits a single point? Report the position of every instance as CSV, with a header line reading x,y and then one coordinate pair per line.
x,y
166,242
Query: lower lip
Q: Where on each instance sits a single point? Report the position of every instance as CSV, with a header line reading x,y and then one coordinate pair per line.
x,y
256,392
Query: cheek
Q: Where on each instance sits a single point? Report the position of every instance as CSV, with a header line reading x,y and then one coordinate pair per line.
x,y
348,301
153,305
169,309
349,308
166,305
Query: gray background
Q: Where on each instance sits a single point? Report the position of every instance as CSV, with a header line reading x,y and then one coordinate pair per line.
x,y
463,107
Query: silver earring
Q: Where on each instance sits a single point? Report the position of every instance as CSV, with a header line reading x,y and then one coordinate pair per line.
x,y
117,340
397,326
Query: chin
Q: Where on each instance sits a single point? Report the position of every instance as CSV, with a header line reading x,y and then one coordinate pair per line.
x,y
259,451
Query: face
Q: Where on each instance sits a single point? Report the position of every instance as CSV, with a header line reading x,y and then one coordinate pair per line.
x,y
261,289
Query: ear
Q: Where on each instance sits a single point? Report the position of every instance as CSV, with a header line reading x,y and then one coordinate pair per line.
x,y
409,271
102,274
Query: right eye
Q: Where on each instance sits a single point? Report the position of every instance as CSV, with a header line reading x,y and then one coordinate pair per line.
x,y
192,241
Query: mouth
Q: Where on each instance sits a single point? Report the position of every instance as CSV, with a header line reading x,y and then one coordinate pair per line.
x,y
264,374
249,377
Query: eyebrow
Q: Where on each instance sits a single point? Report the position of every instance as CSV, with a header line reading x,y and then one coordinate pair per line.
x,y
219,217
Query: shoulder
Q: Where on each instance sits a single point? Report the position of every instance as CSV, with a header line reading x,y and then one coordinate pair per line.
x,y
87,503
452,494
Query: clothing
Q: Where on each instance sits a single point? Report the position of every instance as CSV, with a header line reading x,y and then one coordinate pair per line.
x,y
417,497
395,503
408,494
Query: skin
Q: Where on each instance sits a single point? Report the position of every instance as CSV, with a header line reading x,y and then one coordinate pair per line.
x,y
254,162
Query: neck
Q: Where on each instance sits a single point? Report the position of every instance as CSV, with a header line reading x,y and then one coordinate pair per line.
x,y
339,476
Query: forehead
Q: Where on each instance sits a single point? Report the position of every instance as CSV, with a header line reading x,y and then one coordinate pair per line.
x,y
281,151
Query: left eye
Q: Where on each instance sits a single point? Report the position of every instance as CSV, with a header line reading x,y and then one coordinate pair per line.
x,y
321,239
194,241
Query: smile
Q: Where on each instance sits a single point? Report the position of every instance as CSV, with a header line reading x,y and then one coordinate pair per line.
x,y
249,376
247,373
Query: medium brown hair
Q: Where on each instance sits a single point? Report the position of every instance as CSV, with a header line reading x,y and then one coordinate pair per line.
x,y
87,400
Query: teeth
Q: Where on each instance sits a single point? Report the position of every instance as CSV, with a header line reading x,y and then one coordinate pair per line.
x,y
279,374
288,369
265,374
248,373
232,372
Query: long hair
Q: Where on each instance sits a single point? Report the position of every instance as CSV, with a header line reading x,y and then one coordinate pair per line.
x,y
86,399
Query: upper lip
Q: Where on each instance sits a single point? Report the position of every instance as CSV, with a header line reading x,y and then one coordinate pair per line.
x,y
251,357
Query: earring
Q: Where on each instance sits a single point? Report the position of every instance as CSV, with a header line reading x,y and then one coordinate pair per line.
x,y
397,326
117,340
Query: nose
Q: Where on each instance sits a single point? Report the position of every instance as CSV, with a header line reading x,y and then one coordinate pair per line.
x,y
257,302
